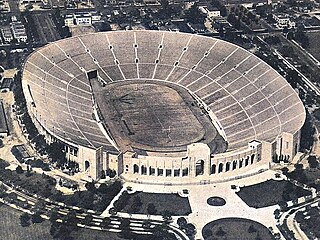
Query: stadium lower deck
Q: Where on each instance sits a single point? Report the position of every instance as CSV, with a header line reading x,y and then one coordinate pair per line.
x,y
153,116
250,100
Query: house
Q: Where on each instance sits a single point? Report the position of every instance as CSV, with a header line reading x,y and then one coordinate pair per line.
x,y
4,130
6,85
82,18
6,34
21,153
19,31
283,20
210,11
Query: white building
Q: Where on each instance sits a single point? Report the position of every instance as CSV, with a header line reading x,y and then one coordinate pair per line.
x,y
210,11
19,31
6,34
283,20
82,18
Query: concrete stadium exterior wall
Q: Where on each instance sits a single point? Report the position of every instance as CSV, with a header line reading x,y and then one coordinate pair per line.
x,y
197,166
287,146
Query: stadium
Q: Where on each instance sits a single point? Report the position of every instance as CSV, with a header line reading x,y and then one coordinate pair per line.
x,y
162,107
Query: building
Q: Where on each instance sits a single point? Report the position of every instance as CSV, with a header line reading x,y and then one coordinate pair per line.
x,y
221,113
4,130
6,84
21,153
6,34
19,31
210,11
82,18
283,20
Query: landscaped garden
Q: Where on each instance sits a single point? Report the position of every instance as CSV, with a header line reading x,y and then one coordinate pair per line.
x,y
309,221
216,201
271,192
11,229
94,198
309,175
235,228
153,203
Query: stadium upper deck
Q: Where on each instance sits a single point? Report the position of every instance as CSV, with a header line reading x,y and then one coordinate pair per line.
x,y
249,99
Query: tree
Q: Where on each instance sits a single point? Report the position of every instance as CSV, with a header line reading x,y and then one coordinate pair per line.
x,y
283,205
3,164
190,229
301,37
146,224
36,218
182,222
40,206
56,153
124,223
276,213
25,220
103,174
54,216
194,15
313,163
298,167
113,211
285,170
151,209
167,216
90,186
136,205
105,222
71,219
103,188
19,169
87,219
111,173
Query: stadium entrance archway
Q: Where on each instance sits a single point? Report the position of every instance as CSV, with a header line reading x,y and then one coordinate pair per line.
x,y
86,165
213,169
199,167
135,168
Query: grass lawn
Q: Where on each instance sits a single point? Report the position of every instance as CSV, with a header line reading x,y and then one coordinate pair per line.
x,y
10,229
312,175
235,229
173,203
270,193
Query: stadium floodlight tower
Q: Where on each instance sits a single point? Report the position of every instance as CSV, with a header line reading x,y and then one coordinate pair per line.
x,y
170,106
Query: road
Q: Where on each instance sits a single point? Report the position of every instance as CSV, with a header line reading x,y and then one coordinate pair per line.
x,y
14,6
136,222
287,219
310,84
306,80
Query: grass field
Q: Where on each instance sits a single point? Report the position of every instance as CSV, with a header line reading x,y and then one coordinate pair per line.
x,y
173,203
10,229
270,193
235,229
153,116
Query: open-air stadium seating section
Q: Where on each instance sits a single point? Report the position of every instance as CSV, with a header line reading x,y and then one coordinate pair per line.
x,y
251,100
